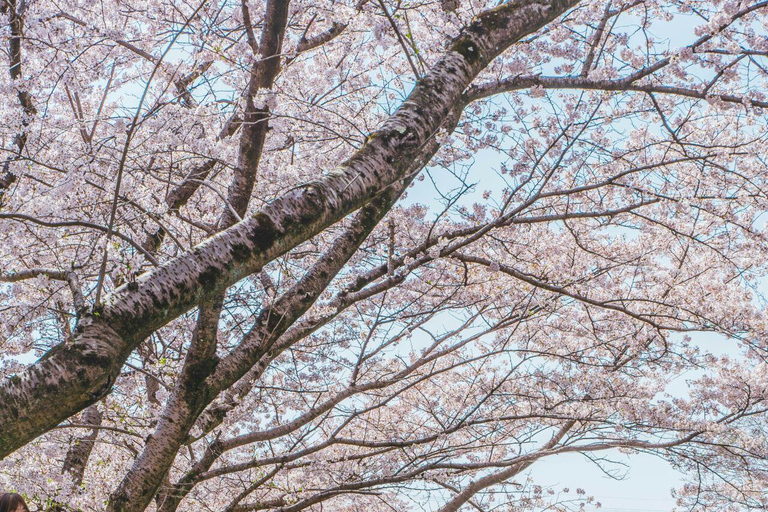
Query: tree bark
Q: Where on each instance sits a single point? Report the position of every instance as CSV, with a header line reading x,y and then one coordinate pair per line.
x,y
142,481
189,396
75,375
77,456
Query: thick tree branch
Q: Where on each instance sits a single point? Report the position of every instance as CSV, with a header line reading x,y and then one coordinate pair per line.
x,y
16,21
133,312
188,399
577,82
255,122
320,39
274,321
80,450
141,482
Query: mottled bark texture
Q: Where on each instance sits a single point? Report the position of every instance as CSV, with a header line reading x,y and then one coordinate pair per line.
x,y
76,459
177,198
141,483
69,378
190,396
75,375
449,5
255,122
237,373
15,12
271,324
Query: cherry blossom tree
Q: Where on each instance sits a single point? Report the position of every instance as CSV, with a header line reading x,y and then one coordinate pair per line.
x,y
380,254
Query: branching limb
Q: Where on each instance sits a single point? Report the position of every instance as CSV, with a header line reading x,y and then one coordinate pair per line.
x,y
132,313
